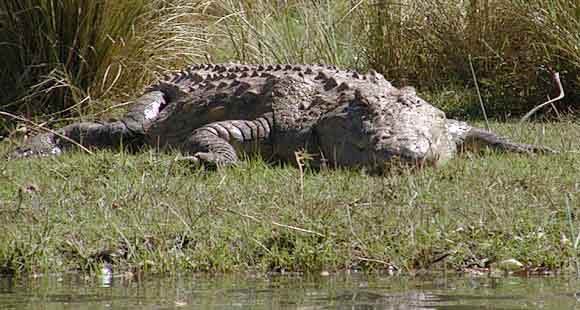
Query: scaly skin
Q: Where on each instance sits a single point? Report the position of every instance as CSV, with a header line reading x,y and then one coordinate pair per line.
x,y
215,113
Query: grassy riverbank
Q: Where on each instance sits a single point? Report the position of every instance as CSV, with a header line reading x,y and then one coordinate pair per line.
x,y
146,213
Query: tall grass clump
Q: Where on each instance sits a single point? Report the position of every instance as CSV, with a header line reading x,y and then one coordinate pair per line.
x,y
299,31
555,27
62,55
59,55
511,45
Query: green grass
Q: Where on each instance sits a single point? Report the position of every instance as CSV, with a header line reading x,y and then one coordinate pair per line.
x,y
72,58
161,216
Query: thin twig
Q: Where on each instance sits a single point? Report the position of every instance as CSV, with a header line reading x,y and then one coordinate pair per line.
x,y
253,218
556,77
479,94
373,260
353,8
300,161
22,119
349,217
298,229
116,106
567,199
179,217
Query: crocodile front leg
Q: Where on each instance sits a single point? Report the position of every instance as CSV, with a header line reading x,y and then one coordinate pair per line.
x,y
128,131
219,143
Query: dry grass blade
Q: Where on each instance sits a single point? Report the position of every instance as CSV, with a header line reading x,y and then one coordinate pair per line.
x,y
479,94
253,218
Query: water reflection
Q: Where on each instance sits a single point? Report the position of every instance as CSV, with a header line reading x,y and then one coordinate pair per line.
x,y
288,292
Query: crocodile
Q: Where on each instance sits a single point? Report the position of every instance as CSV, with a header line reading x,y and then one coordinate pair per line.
x,y
218,113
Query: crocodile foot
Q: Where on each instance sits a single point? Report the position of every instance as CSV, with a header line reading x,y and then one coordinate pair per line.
x,y
207,160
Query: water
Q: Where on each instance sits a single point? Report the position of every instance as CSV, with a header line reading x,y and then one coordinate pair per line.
x,y
289,292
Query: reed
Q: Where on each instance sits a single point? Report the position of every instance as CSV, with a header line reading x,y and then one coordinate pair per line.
x,y
58,56
65,55
430,43
300,31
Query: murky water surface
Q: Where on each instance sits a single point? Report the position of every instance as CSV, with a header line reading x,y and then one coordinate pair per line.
x,y
289,292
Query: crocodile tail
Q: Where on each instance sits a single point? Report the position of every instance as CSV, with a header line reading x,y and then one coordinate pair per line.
x,y
468,138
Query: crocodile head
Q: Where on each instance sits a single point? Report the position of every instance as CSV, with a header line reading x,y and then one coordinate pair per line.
x,y
379,131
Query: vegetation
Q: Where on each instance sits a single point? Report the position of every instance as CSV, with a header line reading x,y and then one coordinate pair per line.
x,y
513,45
83,59
74,58
58,56
149,213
